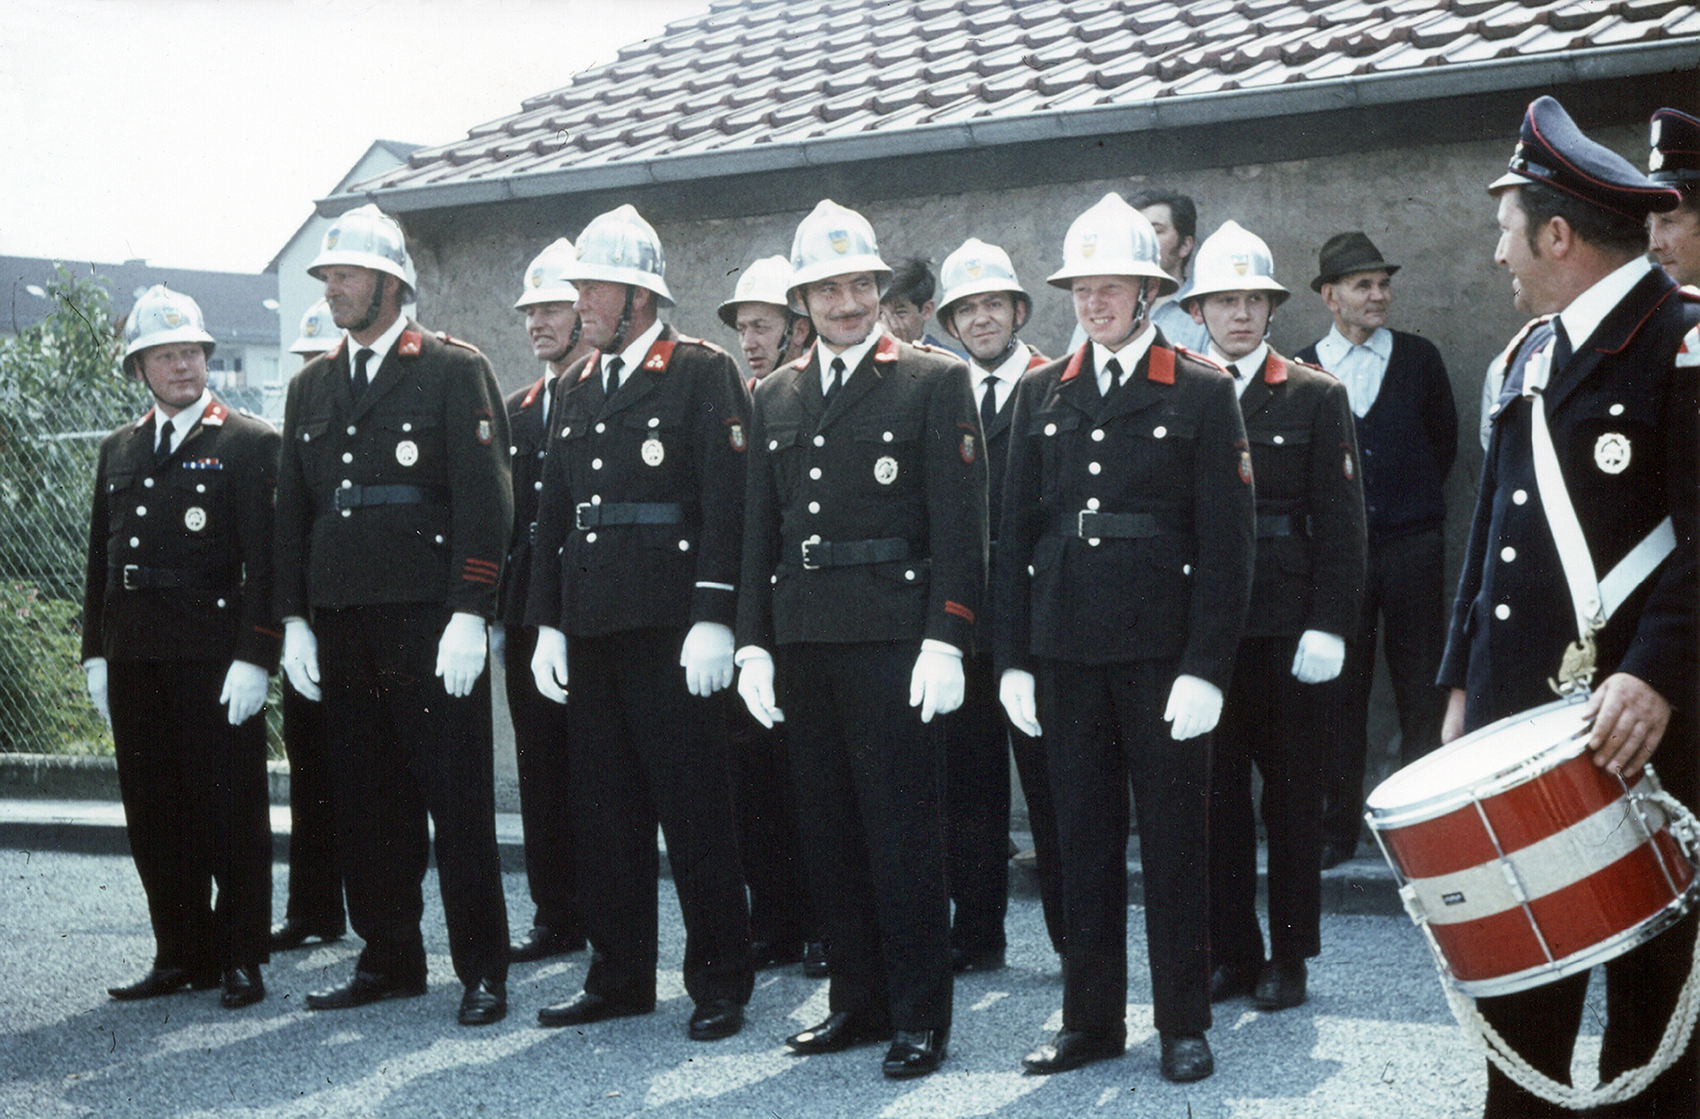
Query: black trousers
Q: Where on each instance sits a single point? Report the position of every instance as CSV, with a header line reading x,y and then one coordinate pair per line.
x,y
315,879
197,812
405,750
1034,771
1272,721
977,812
766,806
545,789
870,796
1405,604
644,751
1104,730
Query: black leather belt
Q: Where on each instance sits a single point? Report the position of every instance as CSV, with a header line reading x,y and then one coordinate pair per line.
x,y
1281,524
1088,524
134,577
812,554
589,515
345,498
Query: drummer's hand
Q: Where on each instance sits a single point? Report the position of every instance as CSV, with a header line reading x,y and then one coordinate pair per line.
x,y
1629,719
1453,724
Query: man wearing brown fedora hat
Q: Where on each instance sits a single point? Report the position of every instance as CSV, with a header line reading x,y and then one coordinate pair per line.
x,y
1407,429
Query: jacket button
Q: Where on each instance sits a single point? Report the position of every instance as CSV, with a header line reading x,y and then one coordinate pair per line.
x,y
537,485
684,545
773,444
1280,439
600,428
439,539
820,440
348,456
814,473
221,604
1518,497
1050,429
201,489
1094,468
1502,611
1097,435
513,451
135,542
352,429
590,538
1092,503
1616,409
1186,569
141,510
886,437
1508,553
814,506
909,575
1160,432
596,464
147,483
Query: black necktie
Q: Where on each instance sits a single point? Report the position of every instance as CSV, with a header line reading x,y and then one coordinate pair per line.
x,y
1234,371
162,449
1560,345
836,379
611,381
361,357
1114,369
989,403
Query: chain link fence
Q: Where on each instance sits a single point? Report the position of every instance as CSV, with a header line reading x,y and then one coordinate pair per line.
x,y
60,393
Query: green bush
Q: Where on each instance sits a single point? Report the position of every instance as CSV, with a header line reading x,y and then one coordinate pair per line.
x,y
42,693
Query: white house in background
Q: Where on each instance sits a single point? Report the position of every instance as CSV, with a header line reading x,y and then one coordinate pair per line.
x,y
297,291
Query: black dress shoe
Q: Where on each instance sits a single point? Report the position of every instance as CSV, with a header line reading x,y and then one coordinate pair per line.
x,y
1232,981
1071,1049
242,987
715,1019
485,1001
293,933
1186,1057
542,942
1280,985
976,959
585,1007
840,1031
915,1053
775,953
363,988
164,981
814,959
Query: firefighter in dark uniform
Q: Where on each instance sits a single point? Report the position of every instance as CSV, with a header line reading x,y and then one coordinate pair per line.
x,y
984,307
1304,600
1122,577
782,921
864,563
177,644
540,727
393,511
633,588
314,909
1613,367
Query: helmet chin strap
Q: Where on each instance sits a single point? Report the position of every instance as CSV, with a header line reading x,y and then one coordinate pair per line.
x,y
1138,317
572,341
373,308
618,342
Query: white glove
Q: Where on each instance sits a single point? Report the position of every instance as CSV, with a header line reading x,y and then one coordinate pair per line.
x,y
755,685
1016,692
1319,658
707,658
1194,707
498,640
95,670
549,663
244,690
460,653
301,657
936,684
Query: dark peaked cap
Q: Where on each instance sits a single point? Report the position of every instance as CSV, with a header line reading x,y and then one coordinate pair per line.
x,y
1553,151
1675,143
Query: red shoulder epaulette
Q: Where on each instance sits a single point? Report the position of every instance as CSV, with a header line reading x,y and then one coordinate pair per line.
x,y
1161,368
1074,363
1035,359
215,414
1274,369
886,350
660,354
531,396
410,342
591,364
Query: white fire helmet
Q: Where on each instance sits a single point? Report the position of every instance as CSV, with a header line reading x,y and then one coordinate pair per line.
x,y
366,237
546,279
619,247
162,316
974,269
765,281
1111,239
1235,259
833,241
319,333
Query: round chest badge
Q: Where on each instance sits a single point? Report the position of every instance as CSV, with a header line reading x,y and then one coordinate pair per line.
x,y
1611,453
652,451
407,452
885,470
194,518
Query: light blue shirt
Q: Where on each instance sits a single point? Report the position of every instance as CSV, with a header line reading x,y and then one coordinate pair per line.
x,y
1359,368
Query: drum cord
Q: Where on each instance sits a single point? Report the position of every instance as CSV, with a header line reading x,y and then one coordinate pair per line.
x,y
1686,829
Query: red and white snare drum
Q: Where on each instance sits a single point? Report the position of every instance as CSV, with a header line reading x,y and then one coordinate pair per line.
x,y
1523,861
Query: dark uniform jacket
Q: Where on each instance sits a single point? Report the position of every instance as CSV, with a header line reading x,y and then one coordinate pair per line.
x,y
893,469
402,498
192,538
1169,449
1311,557
642,504
528,429
1622,415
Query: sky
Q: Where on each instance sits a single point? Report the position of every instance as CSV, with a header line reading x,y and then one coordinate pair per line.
x,y
198,133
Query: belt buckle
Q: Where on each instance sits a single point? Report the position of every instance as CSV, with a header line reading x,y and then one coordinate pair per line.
x,y
1080,523
578,515
531,533
807,566
130,570
338,494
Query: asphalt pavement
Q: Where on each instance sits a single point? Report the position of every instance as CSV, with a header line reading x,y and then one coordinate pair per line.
x,y
1375,1038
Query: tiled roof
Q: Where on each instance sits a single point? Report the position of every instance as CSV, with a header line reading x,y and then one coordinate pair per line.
x,y
234,303
760,84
